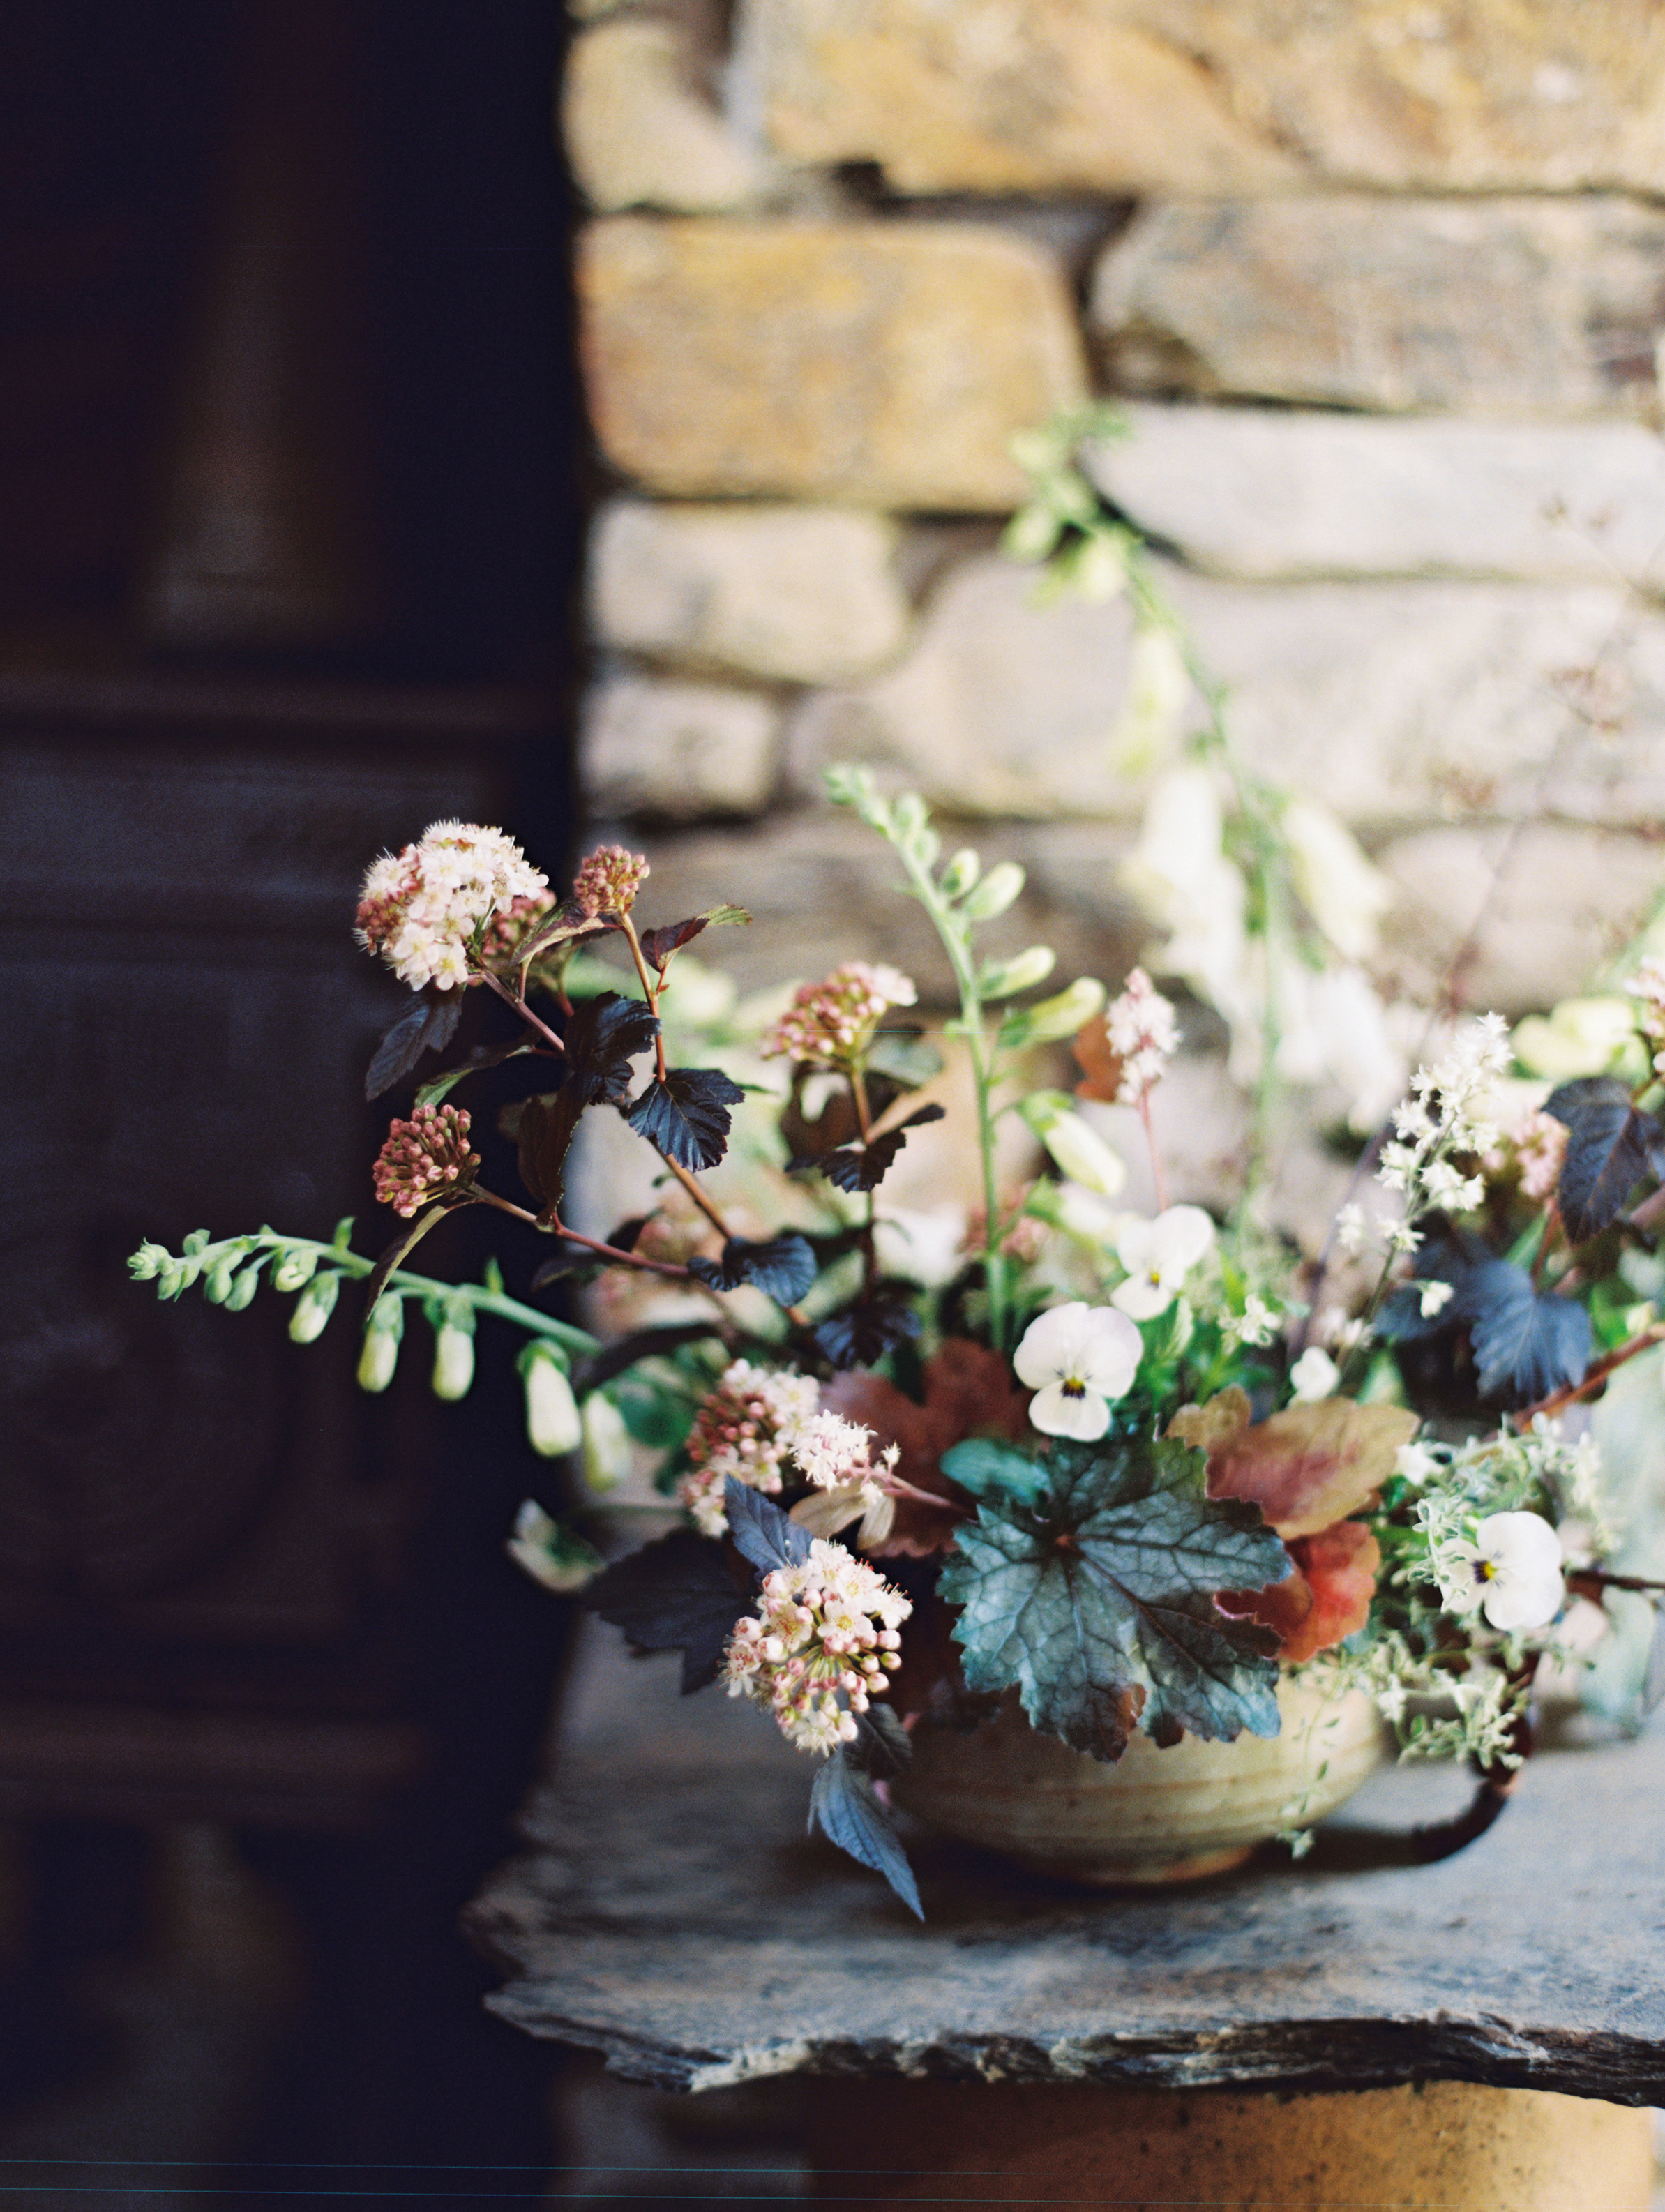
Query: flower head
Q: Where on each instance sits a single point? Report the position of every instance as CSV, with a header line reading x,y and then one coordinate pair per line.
x,y
1648,985
608,881
424,1158
1158,1255
832,1024
1143,1034
823,1630
419,908
1076,1358
1511,1571
744,1428
1313,1376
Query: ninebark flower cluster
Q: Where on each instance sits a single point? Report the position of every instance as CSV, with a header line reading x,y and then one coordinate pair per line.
x,y
424,1158
419,908
827,1629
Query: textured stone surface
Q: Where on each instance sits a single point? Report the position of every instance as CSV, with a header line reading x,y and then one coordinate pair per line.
x,y
881,364
1391,702
637,130
1271,493
1193,96
1491,307
807,594
676,749
821,889
673,1914
1566,901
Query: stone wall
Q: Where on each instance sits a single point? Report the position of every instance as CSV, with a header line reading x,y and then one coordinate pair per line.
x,y
1383,285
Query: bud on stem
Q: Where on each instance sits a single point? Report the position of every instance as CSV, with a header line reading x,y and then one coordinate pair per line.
x,y
313,1307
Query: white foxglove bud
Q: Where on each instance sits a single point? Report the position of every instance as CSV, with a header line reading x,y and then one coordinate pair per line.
x,y
453,1361
148,1263
1004,979
606,1443
999,888
380,1354
553,1427
313,1307
216,1284
1051,1020
1076,1147
961,873
294,1269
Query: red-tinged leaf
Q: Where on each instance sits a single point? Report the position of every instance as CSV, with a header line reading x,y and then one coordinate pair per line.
x,y
568,925
658,945
1305,1468
969,1392
1099,1062
1326,1598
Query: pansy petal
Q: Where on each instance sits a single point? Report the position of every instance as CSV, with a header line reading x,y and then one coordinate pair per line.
x,y
1180,1238
1058,1411
1109,1356
1142,1298
1049,1345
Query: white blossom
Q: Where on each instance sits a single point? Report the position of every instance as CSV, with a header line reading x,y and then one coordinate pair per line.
x,y
1434,1297
1076,1358
1511,1571
826,1630
1313,1376
1158,1255
1257,1324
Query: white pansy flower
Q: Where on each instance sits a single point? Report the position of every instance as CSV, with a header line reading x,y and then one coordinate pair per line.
x,y
1416,1463
1076,1358
1313,1376
1158,1255
1511,1571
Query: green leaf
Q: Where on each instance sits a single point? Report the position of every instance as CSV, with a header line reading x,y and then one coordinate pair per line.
x,y
1096,1602
990,1469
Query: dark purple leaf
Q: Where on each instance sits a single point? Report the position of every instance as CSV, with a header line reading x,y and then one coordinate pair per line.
x,y
658,944
783,1268
565,1260
865,1331
1610,1148
844,1802
863,1167
429,1026
602,1037
394,1255
765,1536
686,1115
628,1235
675,1594
1528,1342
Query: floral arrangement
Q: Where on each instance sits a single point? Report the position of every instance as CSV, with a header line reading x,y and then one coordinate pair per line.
x,y
1131,1466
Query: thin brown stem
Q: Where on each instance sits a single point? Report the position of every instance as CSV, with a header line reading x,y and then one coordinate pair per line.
x,y
513,998
610,1253
1596,1376
1155,1150
650,989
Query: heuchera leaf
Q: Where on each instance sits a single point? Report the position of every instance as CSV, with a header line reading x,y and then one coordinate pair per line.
x,y
863,1166
429,1026
674,1594
686,1116
987,1468
1528,1342
1610,1147
783,1268
968,1391
866,1331
602,1036
843,1801
766,1535
1305,1468
1324,1600
1098,1602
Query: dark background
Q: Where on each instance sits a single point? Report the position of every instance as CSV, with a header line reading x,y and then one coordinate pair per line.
x,y
292,478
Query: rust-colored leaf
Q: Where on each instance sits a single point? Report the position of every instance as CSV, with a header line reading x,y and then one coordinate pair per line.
x,y
969,1392
1206,1428
1100,1063
1309,1466
1326,1598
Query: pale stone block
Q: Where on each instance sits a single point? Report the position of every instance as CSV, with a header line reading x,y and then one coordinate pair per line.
x,y
1493,308
1190,96
1271,494
881,364
676,750
1550,906
1388,702
638,132
808,595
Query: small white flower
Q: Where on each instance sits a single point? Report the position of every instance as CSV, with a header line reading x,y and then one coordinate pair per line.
x,y
1158,1255
1313,1376
1076,1359
1435,1298
1416,1463
1257,1324
1350,1230
1515,1567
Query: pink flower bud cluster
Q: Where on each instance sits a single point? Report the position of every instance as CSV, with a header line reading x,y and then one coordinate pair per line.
x,y
744,1428
1649,985
424,1158
827,1630
832,1024
1540,1146
608,881
420,908
1143,1034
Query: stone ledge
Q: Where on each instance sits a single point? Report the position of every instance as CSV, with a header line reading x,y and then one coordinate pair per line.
x,y
872,363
